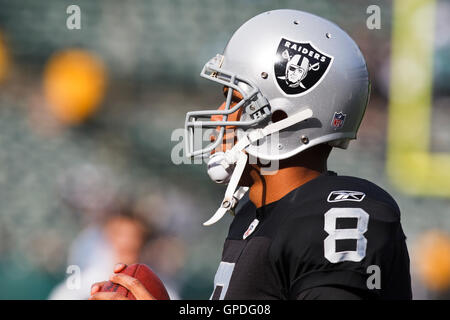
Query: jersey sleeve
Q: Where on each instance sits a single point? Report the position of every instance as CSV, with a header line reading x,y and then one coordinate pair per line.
x,y
354,245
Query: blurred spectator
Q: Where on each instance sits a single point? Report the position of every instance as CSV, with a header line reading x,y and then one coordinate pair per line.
x,y
120,236
431,257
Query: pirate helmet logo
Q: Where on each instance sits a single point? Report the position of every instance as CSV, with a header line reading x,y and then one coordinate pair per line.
x,y
300,66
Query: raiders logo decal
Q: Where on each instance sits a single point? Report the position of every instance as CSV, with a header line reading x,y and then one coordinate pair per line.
x,y
299,66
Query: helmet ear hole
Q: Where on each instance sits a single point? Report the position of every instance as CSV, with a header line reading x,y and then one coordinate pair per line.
x,y
278,115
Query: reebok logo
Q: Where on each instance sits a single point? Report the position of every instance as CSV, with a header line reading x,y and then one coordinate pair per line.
x,y
344,195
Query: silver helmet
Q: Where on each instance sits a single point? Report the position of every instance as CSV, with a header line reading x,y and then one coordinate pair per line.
x,y
288,65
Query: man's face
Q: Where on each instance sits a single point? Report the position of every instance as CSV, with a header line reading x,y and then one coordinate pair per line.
x,y
126,237
229,138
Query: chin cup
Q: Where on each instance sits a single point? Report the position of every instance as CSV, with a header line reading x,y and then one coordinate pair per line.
x,y
219,169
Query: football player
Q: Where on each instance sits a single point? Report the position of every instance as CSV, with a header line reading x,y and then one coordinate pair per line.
x,y
299,231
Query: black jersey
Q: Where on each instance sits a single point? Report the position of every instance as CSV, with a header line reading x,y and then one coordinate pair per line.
x,y
333,231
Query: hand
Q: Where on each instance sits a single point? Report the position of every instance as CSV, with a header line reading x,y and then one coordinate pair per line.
x,y
130,283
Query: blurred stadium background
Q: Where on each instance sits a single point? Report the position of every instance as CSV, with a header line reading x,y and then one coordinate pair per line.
x,y
86,118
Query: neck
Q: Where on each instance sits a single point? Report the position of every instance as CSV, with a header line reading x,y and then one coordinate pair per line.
x,y
270,188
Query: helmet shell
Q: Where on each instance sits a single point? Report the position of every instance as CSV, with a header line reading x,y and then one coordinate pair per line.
x,y
272,50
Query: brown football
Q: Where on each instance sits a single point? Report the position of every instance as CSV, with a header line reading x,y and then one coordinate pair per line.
x,y
146,276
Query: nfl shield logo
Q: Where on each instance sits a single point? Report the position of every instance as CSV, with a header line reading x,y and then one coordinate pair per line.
x,y
338,120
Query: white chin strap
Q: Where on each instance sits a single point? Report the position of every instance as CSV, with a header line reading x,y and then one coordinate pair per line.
x,y
236,156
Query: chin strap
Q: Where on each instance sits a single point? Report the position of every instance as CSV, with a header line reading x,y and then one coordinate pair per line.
x,y
232,196
237,156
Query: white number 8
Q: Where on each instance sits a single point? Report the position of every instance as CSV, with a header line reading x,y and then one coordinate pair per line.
x,y
340,234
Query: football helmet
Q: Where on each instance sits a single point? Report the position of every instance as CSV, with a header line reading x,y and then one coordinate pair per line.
x,y
289,63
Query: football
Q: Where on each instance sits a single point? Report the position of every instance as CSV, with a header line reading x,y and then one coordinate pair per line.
x,y
146,276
